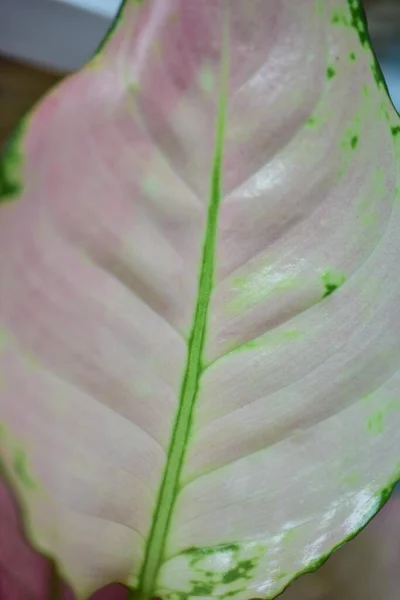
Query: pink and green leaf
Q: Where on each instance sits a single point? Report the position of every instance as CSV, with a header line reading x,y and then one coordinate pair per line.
x,y
199,300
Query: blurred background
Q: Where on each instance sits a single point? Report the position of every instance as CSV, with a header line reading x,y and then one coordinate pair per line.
x,y
41,41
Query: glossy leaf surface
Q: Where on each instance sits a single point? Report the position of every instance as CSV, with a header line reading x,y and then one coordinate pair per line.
x,y
199,300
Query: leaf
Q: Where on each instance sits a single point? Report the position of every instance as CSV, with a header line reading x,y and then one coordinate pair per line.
x,y
366,568
199,300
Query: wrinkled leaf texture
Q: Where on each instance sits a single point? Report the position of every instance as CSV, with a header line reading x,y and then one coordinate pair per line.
x,y
199,300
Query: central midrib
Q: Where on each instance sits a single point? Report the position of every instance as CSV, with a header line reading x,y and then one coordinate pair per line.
x,y
170,483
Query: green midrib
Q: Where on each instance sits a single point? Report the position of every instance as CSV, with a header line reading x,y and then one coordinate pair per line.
x,y
193,369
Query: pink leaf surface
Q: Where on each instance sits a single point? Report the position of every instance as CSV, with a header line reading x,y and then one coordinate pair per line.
x,y
364,569
199,302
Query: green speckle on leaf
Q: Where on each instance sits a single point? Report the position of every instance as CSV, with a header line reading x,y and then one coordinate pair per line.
x,y
241,571
395,130
212,549
375,423
228,565
311,121
197,554
11,163
358,20
354,141
201,589
20,465
330,72
351,135
332,280
377,73
352,56
339,18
